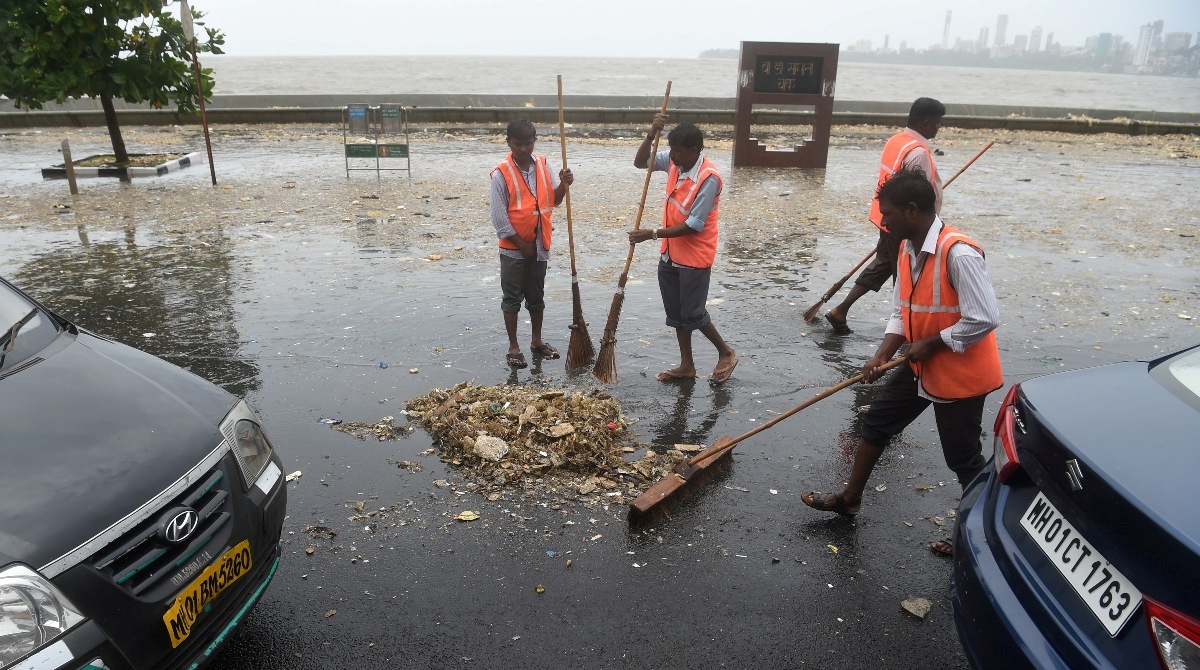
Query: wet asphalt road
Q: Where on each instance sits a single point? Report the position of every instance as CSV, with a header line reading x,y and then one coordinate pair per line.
x,y
297,313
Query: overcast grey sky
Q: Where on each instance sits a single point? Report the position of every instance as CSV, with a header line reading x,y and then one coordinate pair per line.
x,y
636,28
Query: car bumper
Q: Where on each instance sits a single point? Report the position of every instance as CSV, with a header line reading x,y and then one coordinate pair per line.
x,y
993,625
85,647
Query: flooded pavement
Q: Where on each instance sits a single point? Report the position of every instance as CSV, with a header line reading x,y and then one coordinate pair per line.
x,y
314,296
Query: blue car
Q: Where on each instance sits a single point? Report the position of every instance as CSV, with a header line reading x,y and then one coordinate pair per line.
x,y
1079,545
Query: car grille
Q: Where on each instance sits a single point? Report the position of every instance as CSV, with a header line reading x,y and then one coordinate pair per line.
x,y
142,559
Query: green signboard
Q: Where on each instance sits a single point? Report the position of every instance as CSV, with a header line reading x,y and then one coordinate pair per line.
x,y
376,150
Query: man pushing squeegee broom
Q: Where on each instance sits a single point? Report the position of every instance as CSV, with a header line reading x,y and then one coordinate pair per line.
x,y
945,308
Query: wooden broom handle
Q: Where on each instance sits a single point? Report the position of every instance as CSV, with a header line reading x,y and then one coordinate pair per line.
x,y
964,168
562,134
646,186
820,396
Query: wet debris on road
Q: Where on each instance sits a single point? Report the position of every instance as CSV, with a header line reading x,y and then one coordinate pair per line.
x,y
568,443
385,429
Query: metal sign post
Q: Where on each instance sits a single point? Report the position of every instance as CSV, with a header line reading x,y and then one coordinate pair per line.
x,y
189,34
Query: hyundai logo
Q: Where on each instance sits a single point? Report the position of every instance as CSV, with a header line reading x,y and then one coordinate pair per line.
x,y
178,525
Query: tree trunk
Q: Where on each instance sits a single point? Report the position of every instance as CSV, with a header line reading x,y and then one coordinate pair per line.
x,y
114,130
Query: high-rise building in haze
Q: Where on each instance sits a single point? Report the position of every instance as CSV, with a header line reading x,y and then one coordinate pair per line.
x,y
1001,27
1035,39
1173,42
1020,43
1141,55
983,38
946,31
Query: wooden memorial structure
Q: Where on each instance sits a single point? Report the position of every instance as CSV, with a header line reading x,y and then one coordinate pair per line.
x,y
785,74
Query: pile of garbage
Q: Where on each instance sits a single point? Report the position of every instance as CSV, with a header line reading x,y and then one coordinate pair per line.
x,y
571,443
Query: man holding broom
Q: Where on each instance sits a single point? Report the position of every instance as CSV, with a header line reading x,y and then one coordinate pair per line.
x,y
688,243
523,194
945,307
907,149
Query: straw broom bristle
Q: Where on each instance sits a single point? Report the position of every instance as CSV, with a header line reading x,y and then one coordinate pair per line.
x,y
812,311
580,349
606,364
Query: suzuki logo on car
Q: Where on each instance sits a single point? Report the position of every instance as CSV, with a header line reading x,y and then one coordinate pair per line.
x,y
178,526
1075,475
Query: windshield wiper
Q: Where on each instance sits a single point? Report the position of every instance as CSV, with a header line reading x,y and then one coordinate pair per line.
x,y
10,339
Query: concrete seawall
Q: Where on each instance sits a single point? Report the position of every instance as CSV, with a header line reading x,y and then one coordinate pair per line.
x,y
465,108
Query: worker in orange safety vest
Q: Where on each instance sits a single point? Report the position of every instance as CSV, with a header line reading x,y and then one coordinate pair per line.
x,y
908,148
945,308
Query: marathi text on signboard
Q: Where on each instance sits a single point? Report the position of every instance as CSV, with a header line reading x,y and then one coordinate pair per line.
x,y
800,75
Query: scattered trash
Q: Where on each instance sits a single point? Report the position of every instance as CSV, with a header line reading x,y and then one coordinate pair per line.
x,y
570,562
466,515
917,607
881,488
293,476
435,257
332,422
924,487
330,613
491,448
382,365
149,334
540,589
738,488
413,371
774,492
832,548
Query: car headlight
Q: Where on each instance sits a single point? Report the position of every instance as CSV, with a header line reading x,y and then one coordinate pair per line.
x,y
245,435
32,613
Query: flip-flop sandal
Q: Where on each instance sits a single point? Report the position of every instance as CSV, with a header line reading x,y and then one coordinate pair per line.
x,y
671,375
545,350
839,327
942,547
516,360
816,500
720,375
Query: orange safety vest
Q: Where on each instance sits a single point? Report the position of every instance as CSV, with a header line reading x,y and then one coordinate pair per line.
x,y
526,212
931,306
890,163
696,250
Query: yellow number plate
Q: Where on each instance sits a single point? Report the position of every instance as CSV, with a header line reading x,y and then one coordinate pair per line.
x,y
204,589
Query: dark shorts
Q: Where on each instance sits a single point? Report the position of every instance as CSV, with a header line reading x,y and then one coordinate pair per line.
x,y
959,423
883,266
521,279
684,294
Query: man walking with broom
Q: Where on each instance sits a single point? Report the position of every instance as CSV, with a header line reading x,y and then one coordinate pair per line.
x,y
945,307
688,243
907,149
523,194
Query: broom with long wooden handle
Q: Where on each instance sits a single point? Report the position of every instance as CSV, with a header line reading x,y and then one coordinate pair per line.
x,y
694,466
580,349
811,312
605,368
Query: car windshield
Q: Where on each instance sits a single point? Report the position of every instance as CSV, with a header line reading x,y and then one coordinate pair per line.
x,y
24,328
13,308
1186,370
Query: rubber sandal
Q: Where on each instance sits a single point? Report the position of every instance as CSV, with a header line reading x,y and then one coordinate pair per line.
x,y
839,327
816,500
516,360
544,350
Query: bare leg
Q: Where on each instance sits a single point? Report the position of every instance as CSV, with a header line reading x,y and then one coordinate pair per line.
x,y
687,367
535,320
840,312
727,358
865,458
510,324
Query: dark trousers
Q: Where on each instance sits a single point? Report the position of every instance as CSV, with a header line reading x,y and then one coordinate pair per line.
x,y
959,423
883,266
